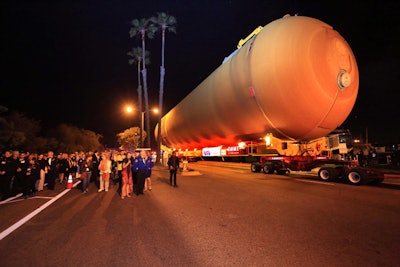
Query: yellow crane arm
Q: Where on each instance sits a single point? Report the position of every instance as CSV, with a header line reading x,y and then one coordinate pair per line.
x,y
255,32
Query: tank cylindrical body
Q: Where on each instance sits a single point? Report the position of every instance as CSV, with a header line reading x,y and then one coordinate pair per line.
x,y
296,79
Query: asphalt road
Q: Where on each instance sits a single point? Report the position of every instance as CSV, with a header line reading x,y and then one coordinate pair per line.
x,y
220,215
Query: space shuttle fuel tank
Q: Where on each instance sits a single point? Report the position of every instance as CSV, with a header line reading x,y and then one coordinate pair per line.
x,y
297,78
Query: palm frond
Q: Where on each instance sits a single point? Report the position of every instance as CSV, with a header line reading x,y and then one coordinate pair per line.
x,y
143,26
165,21
136,55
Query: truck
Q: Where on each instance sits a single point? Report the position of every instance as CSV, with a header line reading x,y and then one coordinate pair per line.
x,y
327,158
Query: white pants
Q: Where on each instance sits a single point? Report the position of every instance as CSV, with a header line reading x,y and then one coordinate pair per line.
x,y
41,181
104,183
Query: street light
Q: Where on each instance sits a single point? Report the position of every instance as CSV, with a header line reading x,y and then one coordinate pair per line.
x,y
129,109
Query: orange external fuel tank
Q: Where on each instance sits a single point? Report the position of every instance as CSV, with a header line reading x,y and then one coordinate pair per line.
x,y
297,79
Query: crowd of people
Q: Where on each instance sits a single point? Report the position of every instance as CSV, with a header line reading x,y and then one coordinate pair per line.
x,y
26,173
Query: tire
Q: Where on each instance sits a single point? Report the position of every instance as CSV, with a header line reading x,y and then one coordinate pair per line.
x,y
327,174
255,167
281,172
357,177
268,169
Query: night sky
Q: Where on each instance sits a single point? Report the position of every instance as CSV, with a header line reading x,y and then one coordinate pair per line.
x,y
66,62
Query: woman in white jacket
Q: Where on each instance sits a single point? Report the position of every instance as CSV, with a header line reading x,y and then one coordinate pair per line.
x,y
105,170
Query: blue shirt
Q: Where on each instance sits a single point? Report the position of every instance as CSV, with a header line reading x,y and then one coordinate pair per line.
x,y
141,164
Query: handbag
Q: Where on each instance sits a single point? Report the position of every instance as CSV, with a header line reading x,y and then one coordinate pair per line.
x,y
82,176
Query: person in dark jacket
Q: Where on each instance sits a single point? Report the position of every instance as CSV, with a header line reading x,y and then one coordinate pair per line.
x,y
8,167
31,175
63,167
95,161
86,170
20,175
173,165
52,172
42,163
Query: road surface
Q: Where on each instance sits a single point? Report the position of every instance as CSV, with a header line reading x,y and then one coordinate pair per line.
x,y
219,215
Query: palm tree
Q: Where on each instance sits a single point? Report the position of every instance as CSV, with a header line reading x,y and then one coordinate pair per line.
x,y
136,57
165,22
144,27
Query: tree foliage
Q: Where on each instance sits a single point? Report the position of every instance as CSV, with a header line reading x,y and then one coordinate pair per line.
x,y
129,139
71,139
165,21
142,27
19,132
136,56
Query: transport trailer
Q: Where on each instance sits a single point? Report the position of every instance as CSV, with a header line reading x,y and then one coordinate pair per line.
x,y
326,169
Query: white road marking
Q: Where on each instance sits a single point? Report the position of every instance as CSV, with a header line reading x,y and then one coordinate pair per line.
x,y
10,199
21,222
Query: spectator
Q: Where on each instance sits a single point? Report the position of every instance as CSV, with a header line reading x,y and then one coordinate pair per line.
x,y
105,170
127,182
42,173
86,169
52,172
141,166
32,174
63,166
173,165
8,167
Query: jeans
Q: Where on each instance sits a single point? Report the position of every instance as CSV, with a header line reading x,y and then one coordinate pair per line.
x,y
172,173
86,180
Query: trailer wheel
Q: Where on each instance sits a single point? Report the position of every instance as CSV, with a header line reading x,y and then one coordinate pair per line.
x,y
255,167
268,169
327,174
357,176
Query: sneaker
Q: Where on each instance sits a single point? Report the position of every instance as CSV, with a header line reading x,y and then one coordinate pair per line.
x,y
122,197
100,190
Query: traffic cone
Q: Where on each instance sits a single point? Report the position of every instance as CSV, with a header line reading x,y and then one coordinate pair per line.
x,y
70,183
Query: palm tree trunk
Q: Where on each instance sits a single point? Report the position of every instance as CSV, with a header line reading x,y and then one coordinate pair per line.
x,y
146,97
160,98
139,89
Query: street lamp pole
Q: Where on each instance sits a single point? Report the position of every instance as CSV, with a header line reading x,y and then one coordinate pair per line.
x,y
141,129
141,139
